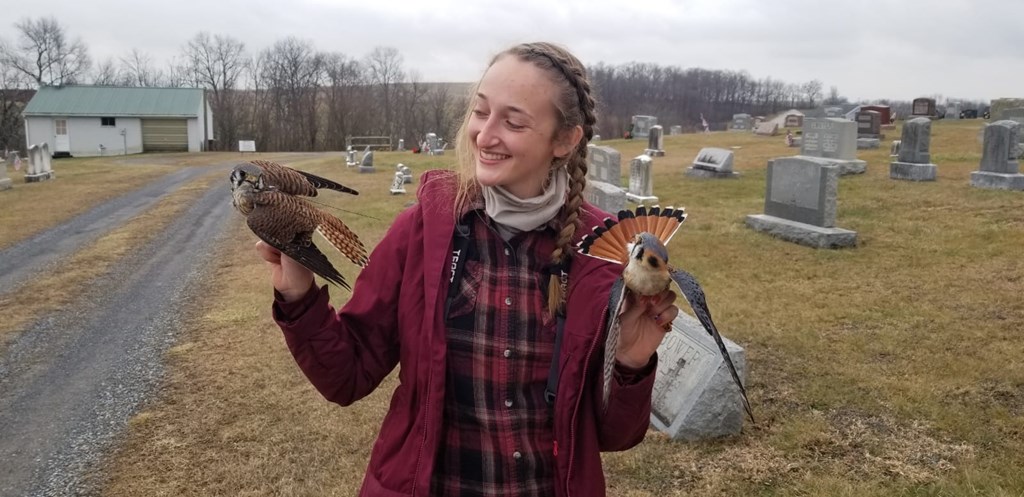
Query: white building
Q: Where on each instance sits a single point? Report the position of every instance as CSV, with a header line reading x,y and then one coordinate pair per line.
x,y
85,121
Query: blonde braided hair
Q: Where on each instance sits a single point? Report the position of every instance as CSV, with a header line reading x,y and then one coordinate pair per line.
x,y
575,105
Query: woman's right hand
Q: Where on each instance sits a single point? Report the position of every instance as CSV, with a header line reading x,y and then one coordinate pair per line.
x,y
289,278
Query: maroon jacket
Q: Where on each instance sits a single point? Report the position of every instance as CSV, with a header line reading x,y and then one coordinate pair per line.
x,y
395,316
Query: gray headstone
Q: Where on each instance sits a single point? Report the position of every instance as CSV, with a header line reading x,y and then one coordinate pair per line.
x,y
366,165
39,168
794,121
833,111
868,143
605,196
432,142
675,130
655,141
405,171
1000,148
802,189
923,107
916,141
913,161
642,125
604,164
641,183
694,395
1015,114
350,157
831,138
952,112
1001,104
869,124
741,122
401,144
5,180
714,159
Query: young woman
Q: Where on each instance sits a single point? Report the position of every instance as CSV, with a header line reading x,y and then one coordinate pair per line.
x,y
473,414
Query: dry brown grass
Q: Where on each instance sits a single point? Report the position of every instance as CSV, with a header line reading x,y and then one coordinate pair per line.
x,y
889,369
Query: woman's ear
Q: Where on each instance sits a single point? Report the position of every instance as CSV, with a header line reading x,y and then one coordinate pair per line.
x,y
568,140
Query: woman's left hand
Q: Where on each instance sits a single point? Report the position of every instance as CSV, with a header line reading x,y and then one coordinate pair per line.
x,y
644,323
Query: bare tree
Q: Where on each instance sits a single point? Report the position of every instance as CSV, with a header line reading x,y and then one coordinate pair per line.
x,y
347,99
217,63
138,70
44,53
812,92
13,98
384,67
107,73
294,74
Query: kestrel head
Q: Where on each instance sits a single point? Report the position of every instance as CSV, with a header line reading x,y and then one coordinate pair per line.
x,y
648,250
247,173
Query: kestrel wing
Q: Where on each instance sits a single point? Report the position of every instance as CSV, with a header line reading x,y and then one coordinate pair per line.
x,y
343,238
695,295
281,222
297,182
611,342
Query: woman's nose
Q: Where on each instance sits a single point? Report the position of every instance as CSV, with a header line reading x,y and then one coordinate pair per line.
x,y
487,134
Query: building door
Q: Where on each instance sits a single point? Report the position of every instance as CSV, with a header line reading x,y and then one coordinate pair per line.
x,y
62,144
164,135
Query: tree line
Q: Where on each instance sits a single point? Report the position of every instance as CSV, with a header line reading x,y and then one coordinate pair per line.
x,y
294,97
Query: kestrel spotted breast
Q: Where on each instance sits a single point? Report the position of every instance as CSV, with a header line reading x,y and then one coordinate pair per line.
x,y
269,196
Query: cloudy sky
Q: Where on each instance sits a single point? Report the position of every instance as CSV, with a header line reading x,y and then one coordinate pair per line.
x,y
866,48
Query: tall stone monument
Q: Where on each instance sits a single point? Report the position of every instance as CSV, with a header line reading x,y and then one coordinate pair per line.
x,y
914,160
800,203
1000,166
641,181
39,166
642,125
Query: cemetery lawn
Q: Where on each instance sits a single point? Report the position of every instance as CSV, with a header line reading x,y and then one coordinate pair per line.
x,y
888,369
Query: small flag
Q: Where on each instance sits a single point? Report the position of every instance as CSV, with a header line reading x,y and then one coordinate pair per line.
x,y
704,123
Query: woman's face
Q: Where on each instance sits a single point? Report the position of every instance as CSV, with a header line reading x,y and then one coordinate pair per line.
x,y
513,128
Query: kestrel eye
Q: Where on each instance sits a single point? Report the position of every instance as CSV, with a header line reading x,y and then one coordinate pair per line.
x,y
653,261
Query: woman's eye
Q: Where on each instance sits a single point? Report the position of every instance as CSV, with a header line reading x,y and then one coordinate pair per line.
x,y
514,126
479,113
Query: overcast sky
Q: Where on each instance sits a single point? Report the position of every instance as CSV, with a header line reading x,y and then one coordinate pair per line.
x,y
867,48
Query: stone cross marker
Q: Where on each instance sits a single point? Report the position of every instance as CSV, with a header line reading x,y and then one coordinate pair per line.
x,y
694,394
655,141
1000,166
641,183
914,160
832,138
712,163
604,178
800,203
642,125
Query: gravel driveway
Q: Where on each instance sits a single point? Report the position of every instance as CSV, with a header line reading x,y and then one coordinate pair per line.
x,y
70,381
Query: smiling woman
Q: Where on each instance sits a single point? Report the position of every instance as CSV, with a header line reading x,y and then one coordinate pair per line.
x,y
501,386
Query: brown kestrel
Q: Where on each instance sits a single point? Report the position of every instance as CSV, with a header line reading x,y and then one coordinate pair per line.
x,y
267,194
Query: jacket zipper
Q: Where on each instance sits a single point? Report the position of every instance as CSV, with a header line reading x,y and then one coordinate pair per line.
x,y
576,410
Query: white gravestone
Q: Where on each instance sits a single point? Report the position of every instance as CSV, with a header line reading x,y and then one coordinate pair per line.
x,y
834,139
655,142
5,180
913,162
766,129
398,184
246,146
675,130
1000,161
39,167
712,163
741,122
350,157
695,396
406,173
606,197
401,144
800,203
641,183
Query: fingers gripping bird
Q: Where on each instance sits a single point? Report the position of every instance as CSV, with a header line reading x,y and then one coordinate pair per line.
x,y
267,194
637,242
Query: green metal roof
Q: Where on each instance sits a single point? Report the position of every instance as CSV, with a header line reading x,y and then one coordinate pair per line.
x,y
113,101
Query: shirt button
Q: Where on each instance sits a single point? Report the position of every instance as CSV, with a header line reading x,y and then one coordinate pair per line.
x,y
517,455
508,300
508,402
508,352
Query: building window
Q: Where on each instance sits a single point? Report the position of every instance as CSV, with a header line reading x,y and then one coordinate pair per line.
x,y
107,121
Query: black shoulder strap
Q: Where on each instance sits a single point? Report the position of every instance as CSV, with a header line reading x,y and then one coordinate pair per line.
x,y
459,255
551,390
